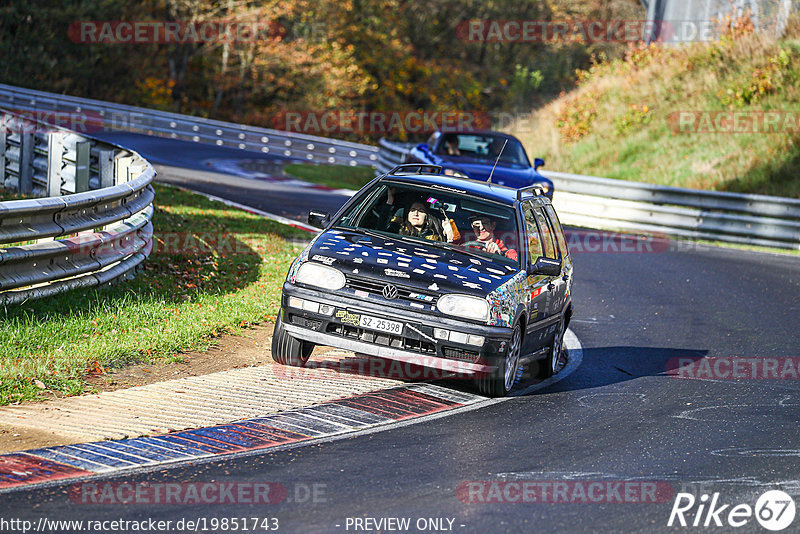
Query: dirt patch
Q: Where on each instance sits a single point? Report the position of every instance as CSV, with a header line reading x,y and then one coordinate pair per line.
x,y
13,439
249,348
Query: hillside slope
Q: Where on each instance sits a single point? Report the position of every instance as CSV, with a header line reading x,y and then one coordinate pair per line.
x,y
664,115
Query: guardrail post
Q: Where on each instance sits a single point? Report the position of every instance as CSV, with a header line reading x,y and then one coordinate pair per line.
x,y
82,150
26,144
55,162
2,155
105,162
122,170
75,255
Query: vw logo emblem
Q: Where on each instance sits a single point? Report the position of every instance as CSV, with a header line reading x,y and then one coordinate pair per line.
x,y
389,292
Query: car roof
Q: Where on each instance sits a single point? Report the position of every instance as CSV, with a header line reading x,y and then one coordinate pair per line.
x,y
477,131
496,192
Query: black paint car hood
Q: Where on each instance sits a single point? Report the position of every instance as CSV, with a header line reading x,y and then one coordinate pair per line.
x,y
409,262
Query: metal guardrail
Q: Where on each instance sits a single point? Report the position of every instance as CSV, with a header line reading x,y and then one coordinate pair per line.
x,y
390,155
681,21
593,202
733,217
117,117
99,231
51,163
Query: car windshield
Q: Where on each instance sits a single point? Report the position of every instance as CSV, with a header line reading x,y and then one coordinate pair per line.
x,y
483,147
482,227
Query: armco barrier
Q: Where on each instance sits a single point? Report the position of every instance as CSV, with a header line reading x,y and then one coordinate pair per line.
x,y
391,154
99,230
594,202
109,116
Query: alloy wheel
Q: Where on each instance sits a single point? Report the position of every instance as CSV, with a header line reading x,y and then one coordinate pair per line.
x,y
512,358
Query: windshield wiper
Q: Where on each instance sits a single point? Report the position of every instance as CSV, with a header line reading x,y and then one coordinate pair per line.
x,y
457,248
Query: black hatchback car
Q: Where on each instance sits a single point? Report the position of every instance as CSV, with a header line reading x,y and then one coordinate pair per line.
x,y
468,277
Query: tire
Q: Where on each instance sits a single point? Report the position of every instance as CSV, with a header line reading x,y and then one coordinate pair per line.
x,y
499,382
287,350
548,365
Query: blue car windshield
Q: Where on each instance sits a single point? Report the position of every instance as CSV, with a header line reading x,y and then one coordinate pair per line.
x,y
483,147
412,212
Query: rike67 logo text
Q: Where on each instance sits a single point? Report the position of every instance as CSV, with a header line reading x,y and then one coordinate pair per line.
x,y
774,510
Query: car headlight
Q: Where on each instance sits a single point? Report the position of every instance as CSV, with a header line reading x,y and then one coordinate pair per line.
x,y
464,306
545,187
318,275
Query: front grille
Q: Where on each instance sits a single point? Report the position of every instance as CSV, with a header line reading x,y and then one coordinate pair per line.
x,y
462,355
375,287
379,338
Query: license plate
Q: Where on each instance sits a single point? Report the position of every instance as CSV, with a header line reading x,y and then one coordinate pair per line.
x,y
381,325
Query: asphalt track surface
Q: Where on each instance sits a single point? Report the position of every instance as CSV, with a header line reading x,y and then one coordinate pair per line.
x,y
618,417
189,165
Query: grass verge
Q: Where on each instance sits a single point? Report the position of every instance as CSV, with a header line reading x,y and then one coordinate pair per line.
x,y
213,269
336,176
665,115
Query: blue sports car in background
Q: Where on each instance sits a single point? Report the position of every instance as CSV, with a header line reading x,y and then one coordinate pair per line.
x,y
472,154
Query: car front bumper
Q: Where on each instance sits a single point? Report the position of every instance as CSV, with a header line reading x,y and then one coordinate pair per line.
x,y
415,344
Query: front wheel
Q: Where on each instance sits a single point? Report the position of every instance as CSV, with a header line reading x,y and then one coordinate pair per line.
x,y
287,350
499,382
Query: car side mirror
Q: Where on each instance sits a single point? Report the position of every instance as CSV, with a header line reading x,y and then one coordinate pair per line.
x,y
538,162
424,148
319,219
545,266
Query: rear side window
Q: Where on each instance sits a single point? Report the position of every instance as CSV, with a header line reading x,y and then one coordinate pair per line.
x,y
532,229
547,234
562,242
